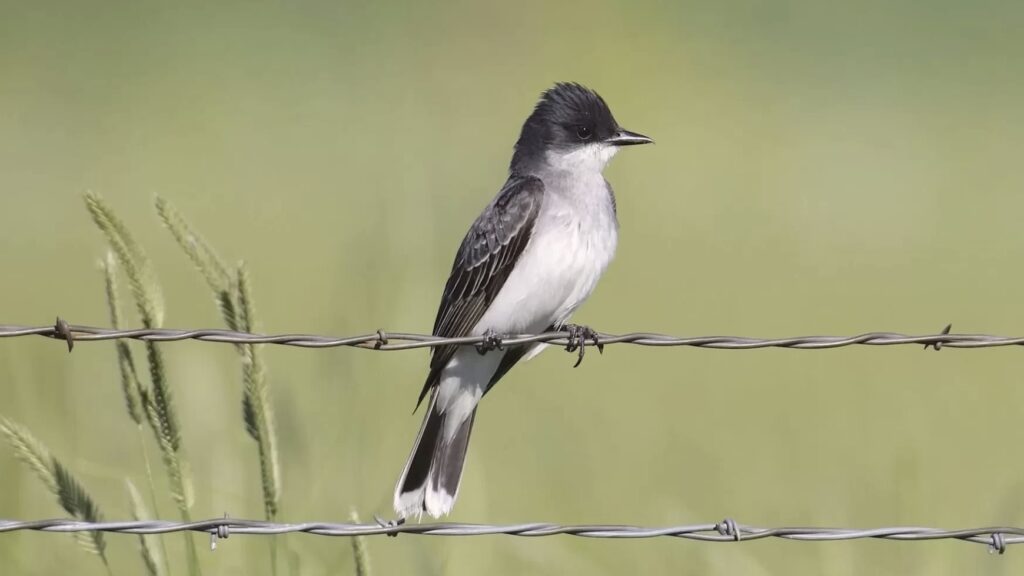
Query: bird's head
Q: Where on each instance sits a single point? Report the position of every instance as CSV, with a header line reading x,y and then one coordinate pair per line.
x,y
571,128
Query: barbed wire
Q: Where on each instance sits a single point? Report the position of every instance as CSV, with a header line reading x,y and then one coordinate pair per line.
x,y
391,341
997,538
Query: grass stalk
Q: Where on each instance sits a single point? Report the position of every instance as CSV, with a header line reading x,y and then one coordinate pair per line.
x,y
360,553
150,545
152,498
233,296
157,400
70,493
133,390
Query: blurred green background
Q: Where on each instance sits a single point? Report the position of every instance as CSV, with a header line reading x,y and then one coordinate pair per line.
x,y
821,167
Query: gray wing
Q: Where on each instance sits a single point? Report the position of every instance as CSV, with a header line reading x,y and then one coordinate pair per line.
x,y
487,256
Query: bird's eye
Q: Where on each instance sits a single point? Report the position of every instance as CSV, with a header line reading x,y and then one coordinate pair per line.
x,y
583,132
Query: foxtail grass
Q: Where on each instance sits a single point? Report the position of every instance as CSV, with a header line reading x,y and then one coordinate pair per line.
x,y
156,401
232,293
256,411
360,554
205,259
130,384
134,393
58,480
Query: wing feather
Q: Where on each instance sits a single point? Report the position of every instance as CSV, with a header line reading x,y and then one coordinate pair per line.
x,y
485,259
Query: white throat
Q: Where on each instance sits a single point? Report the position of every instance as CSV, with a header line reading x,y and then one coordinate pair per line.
x,y
587,160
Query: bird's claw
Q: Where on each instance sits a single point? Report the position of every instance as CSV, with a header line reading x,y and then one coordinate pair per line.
x,y
492,341
577,341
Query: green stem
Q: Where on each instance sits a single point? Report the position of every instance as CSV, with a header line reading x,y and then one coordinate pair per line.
x,y
176,476
152,497
190,545
270,512
273,554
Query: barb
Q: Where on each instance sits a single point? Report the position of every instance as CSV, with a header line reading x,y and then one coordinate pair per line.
x,y
390,341
996,538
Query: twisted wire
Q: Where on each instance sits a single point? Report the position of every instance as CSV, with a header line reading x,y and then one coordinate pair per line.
x,y
996,537
390,341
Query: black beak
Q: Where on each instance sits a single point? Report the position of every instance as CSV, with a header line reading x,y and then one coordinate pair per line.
x,y
627,138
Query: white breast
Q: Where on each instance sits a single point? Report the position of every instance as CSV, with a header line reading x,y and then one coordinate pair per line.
x,y
574,240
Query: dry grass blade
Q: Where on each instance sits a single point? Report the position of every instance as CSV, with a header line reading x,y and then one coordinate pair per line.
x,y
149,547
58,480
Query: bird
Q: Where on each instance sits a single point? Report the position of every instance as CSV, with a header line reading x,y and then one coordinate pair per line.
x,y
530,259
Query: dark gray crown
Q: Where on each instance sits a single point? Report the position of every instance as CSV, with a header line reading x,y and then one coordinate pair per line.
x,y
567,115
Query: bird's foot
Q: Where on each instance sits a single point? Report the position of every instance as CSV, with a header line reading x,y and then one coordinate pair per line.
x,y
578,337
492,341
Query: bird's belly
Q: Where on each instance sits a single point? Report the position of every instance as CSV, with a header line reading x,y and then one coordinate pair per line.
x,y
556,272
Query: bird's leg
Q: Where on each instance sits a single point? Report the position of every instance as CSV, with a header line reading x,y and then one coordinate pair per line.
x,y
492,341
578,336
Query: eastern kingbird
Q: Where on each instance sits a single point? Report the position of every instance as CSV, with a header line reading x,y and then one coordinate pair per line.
x,y
527,263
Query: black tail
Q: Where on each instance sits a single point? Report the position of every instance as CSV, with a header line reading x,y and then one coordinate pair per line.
x,y
430,481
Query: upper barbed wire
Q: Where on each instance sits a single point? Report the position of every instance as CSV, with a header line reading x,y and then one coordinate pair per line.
x,y
391,341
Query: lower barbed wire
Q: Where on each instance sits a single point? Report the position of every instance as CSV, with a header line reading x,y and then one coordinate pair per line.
x,y
996,538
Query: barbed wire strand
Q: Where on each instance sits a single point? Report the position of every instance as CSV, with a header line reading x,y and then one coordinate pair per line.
x,y
390,341
997,538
